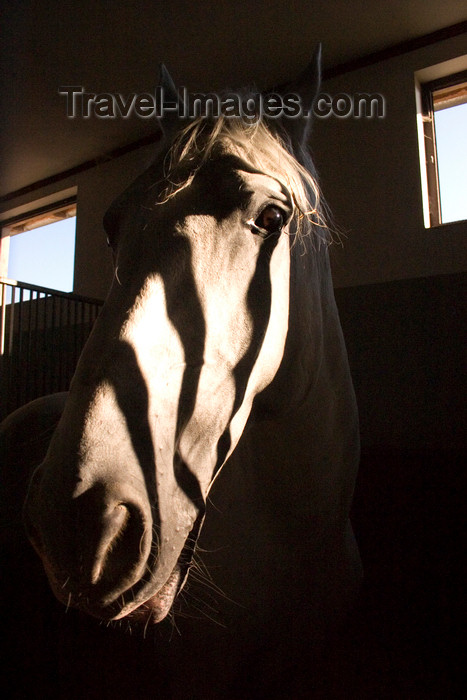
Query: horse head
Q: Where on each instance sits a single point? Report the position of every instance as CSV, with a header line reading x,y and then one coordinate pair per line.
x,y
193,331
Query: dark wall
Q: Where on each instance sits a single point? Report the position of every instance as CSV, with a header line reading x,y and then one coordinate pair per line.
x,y
406,342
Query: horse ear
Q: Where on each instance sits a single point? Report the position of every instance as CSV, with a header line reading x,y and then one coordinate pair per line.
x,y
170,101
306,87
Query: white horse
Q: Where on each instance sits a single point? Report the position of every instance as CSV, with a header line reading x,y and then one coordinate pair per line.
x,y
211,427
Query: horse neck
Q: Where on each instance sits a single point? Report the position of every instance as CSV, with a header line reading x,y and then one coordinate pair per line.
x,y
315,357
280,505
312,439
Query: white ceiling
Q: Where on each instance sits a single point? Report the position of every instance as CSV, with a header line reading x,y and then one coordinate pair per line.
x,y
116,46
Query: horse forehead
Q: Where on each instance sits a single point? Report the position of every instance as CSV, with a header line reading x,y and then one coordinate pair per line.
x,y
231,168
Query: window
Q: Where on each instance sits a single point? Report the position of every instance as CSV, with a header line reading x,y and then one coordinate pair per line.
x,y
444,120
40,249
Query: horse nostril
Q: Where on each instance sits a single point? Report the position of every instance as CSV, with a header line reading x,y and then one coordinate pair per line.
x,y
113,527
93,547
117,555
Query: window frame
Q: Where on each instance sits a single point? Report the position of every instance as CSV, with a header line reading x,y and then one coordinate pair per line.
x,y
66,206
429,141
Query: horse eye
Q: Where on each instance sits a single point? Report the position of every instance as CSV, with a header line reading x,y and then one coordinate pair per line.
x,y
271,219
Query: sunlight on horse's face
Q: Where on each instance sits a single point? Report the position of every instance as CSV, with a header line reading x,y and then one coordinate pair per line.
x,y
209,310
193,329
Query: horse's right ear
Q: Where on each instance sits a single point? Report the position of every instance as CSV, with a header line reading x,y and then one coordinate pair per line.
x,y
306,87
170,99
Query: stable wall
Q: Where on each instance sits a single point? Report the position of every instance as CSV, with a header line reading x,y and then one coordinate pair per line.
x,y
398,285
370,176
95,188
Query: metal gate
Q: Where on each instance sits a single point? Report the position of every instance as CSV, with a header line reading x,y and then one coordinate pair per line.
x,y
42,334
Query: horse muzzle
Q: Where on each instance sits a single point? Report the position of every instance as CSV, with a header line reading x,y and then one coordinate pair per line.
x,y
94,547
106,552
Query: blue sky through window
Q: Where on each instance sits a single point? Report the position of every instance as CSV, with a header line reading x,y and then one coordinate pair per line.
x,y
451,146
45,256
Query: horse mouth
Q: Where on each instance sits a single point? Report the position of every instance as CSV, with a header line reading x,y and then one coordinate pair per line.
x,y
140,609
157,607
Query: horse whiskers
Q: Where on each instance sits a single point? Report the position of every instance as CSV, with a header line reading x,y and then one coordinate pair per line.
x,y
212,504
199,567
204,614
209,587
141,541
184,609
192,596
201,578
173,624
204,550
146,626
116,276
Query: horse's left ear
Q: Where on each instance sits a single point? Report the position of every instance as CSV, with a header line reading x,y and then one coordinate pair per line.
x,y
306,87
171,99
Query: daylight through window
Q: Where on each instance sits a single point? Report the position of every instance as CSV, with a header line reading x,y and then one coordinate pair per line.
x,y
445,142
40,249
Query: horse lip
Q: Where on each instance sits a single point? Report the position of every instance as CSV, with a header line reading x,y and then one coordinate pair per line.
x,y
157,606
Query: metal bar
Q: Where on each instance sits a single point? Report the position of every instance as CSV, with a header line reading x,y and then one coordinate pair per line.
x,y
52,292
35,358
12,321
81,323
20,385
53,344
69,358
75,334
60,346
3,319
9,382
45,353
31,370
